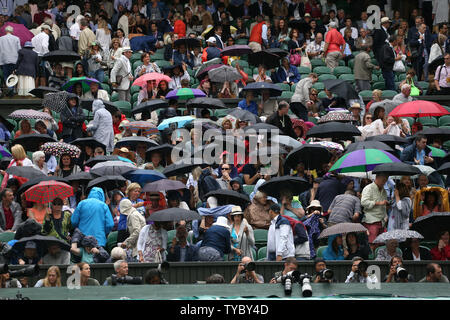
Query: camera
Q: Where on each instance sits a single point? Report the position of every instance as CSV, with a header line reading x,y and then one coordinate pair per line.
x,y
305,283
163,267
288,279
362,267
29,271
251,266
125,280
401,272
326,274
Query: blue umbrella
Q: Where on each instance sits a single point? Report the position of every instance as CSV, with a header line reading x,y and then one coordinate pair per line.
x,y
143,176
180,121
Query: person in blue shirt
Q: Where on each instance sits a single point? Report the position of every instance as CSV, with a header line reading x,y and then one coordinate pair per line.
x,y
216,241
248,104
286,73
182,55
335,250
417,152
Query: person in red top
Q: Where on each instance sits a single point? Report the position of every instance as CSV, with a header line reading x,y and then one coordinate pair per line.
x,y
334,46
10,211
256,35
442,250
117,120
41,15
179,27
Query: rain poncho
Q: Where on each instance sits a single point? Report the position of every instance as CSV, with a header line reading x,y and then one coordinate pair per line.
x,y
92,216
329,253
102,125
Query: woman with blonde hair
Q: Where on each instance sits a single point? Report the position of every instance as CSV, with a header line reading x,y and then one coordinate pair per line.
x,y
52,279
103,36
132,193
115,52
376,97
19,159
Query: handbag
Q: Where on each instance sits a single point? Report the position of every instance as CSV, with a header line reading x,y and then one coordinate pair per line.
x,y
399,66
295,59
305,62
158,257
119,80
414,90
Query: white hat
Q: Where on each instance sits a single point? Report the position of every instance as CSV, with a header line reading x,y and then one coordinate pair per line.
x,y
385,19
125,49
211,40
332,24
12,80
126,207
46,26
236,210
222,221
212,201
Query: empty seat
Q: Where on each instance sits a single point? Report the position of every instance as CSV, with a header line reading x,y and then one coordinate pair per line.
x,y
388,93
304,70
379,85
444,121
322,70
347,77
326,77
284,86
286,95
319,86
366,93
341,70
317,62
428,121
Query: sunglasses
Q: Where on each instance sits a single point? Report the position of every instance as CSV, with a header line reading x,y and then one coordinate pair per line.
x,y
314,94
225,168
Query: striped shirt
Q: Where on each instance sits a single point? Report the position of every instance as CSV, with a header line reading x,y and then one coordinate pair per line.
x,y
343,207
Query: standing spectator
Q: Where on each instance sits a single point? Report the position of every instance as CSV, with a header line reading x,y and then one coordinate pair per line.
x,y
216,241
11,44
334,46
86,37
301,96
434,274
280,239
399,218
281,119
441,76
10,212
379,39
102,127
328,189
135,223
258,34
72,119
121,76
40,43
386,61
242,238
421,41
27,68
57,222
152,242
344,208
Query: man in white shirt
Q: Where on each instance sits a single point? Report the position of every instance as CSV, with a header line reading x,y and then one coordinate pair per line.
x,y
177,77
314,50
75,28
280,239
11,44
348,24
40,43
359,273
403,96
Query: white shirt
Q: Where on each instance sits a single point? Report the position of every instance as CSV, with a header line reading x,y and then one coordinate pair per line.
x,y
11,44
314,47
40,43
281,240
176,81
75,31
354,32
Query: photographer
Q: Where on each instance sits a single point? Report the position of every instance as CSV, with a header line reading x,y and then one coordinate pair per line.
x,y
397,273
320,276
246,273
121,268
153,276
359,272
7,282
291,264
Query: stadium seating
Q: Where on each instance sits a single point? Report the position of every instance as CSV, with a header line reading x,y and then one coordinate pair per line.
x,y
428,121
322,70
286,94
262,254
323,77
320,251
284,86
342,70
388,94
124,106
111,242
260,237
317,62
444,121
347,77
319,86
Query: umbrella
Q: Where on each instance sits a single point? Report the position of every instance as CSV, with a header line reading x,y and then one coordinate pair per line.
x,y
179,122
336,116
243,115
132,142
335,130
165,149
203,71
41,91
369,145
108,183
397,234
444,169
273,187
342,88
25,172
56,101
396,169
387,105
433,65
93,161
363,160
236,50
150,105
29,114
20,31
388,139
185,94
4,152
434,133
59,148
174,214
37,180
437,153
143,176
146,127
42,243
61,56
81,177
112,168
432,224
286,141
226,197
163,185
86,104
331,146
224,73
427,170
341,228
279,52
313,156
268,59
419,108
85,83
31,142
89,141
47,191
188,42
180,168
206,102
142,80
257,88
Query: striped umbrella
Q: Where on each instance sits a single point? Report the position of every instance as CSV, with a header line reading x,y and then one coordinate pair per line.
x,y
363,160
59,148
85,83
185,94
147,127
30,114
47,191
438,153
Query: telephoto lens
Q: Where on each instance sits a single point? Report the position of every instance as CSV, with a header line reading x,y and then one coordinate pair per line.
x,y
305,282
402,273
288,286
327,274
250,266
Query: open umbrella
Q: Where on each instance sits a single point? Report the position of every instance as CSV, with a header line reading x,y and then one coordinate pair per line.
x,y
386,104
20,31
185,94
341,228
180,168
47,191
363,160
432,224
29,114
165,149
243,115
41,91
331,146
258,87
61,56
436,152
147,128
206,102
273,187
236,50
57,101
342,88
389,139
107,183
226,197
203,70
132,142
419,108
444,169
268,59
313,156
188,42
368,145
86,104
178,122
59,148
396,169
163,185
335,130
84,81
286,141
155,76
224,73
4,153
112,168
397,234
174,214
81,177
25,172
97,159
150,105
433,133
24,187
88,141
31,142
279,52
336,116
143,176
42,243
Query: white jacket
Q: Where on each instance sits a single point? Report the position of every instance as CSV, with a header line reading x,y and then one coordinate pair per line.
x,y
102,125
280,240
301,93
122,67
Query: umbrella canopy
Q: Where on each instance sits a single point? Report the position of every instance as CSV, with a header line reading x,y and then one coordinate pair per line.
x,y
42,243
29,114
268,59
312,156
368,145
438,61
85,82
86,104
37,180
419,108
147,128
57,101
397,234
150,105
336,116
143,176
20,31
341,228
437,153
89,141
226,197
267,152
93,161
236,50
132,142
61,56
279,52
180,168
335,130
151,76
203,71
387,105
174,214
206,102
364,160
224,73
112,168
434,133
108,183
185,94
81,177
273,187
331,146
427,170
47,191
432,224
165,149
178,121
41,91
243,115
31,142
25,172
163,185
444,169
396,169
388,139
188,42
286,141
4,153
258,87
342,88
59,148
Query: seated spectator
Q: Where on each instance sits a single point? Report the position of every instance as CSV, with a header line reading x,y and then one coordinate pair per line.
x,y
257,213
211,51
415,252
95,93
25,128
243,275
434,274
416,90
52,279
390,250
393,277
261,76
147,66
85,275
442,250
335,250
90,251
290,207
177,76
286,73
357,246
416,153
10,211
95,61
376,97
248,103
404,95
135,223
330,101
314,105
57,78
314,50
56,255
30,254
180,250
364,40
182,55
37,212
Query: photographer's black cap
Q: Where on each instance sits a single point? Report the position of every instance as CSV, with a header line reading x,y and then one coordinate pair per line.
x,y
317,260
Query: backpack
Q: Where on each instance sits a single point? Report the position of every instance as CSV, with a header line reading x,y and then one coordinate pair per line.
x,y
298,229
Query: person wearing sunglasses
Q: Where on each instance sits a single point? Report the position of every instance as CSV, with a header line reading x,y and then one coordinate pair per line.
x,y
314,105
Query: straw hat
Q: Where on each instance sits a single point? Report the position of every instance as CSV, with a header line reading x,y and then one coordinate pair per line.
x,y
12,80
315,204
236,210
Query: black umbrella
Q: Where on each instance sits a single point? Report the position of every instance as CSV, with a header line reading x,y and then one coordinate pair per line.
x,y
42,243
32,142
174,214
312,155
258,87
7,124
86,104
243,115
89,141
107,183
261,127
180,168
81,177
226,197
25,172
396,169
112,168
432,224
61,56
342,88
279,52
388,139
433,133
163,185
205,102
93,161
269,60
337,130
4,162
188,42
57,101
444,169
41,91
236,50
132,142
439,61
369,145
165,149
150,105
273,187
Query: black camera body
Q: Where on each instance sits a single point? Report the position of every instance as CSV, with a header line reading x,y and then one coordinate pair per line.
x,y
401,272
362,267
288,279
251,266
28,271
125,280
326,274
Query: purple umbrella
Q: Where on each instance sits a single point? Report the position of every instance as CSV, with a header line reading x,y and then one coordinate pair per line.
x,y
19,31
185,94
236,50
204,72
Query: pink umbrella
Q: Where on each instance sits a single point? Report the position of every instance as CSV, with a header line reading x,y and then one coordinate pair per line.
x,y
19,31
142,80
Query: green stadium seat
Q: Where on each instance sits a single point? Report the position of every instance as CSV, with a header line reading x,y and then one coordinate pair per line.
x,y
326,77
242,41
317,62
379,85
248,188
134,89
319,86
342,70
106,79
293,87
220,113
260,237
374,61
347,77
374,77
134,97
304,70
162,63
351,63
170,235
341,63
444,121
366,93
262,254
286,95
322,95
424,85
428,121
388,93
320,251
111,241
106,87
248,71
135,57
124,106
6,236
242,63
447,145
284,86
157,56
322,70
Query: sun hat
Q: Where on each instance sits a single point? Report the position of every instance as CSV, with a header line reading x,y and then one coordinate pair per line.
x,y
385,19
12,80
236,210
314,204
211,40
222,222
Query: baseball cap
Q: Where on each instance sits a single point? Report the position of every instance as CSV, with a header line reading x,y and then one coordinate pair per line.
x,y
211,40
307,15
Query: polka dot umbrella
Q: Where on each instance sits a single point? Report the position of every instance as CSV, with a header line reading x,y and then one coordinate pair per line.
x,y
59,148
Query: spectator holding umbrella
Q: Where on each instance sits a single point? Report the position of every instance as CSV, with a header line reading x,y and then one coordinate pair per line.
x,y
57,221
72,118
66,166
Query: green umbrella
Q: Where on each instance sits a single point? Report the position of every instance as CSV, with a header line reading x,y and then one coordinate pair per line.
x,y
85,83
363,160
438,153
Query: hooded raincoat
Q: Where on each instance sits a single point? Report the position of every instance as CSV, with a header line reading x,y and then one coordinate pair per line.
x,y
102,125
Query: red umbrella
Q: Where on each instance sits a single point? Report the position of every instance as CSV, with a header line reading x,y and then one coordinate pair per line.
x,y
47,191
142,80
19,31
419,108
